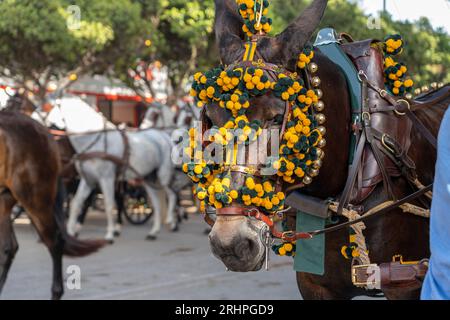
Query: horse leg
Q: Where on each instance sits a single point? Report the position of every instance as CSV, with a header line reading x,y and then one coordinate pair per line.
x,y
154,198
171,202
118,196
82,216
107,187
8,241
83,192
41,209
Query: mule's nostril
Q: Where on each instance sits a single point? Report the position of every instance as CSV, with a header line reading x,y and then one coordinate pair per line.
x,y
244,248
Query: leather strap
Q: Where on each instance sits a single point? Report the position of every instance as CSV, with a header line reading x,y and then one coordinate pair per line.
x,y
421,128
390,275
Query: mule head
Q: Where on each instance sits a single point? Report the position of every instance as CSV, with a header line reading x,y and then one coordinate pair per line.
x,y
235,238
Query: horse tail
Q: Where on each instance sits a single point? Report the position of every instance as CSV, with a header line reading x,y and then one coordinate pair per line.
x,y
73,247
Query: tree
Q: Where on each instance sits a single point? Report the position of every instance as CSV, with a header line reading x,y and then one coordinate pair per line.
x,y
426,54
37,45
181,40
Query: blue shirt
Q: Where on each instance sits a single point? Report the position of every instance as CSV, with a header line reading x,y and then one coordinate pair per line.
x,y
437,280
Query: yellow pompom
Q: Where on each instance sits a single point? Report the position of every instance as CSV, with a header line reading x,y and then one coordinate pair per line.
x,y
288,247
250,86
267,186
250,183
226,182
198,169
344,251
201,195
233,194
409,83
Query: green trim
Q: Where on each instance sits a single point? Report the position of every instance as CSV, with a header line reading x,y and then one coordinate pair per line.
x,y
334,52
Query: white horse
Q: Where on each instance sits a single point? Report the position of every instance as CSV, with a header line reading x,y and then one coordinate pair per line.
x,y
161,116
149,158
173,121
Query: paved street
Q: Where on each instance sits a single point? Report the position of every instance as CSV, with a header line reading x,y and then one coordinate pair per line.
x,y
175,266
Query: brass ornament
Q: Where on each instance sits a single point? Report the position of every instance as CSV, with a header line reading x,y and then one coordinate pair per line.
x,y
315,81
319,93
319,106
313,172
317,164
320,153
322,130
307,179
322,143
320,117
313,67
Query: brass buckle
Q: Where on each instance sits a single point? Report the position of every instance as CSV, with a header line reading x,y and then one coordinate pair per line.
x,y
354,274
242,169
399,258
402,113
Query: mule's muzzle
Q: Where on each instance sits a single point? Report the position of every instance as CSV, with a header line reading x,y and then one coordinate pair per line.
x,y
236,241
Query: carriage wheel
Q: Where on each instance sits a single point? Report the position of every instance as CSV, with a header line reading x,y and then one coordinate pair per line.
x,y
138,208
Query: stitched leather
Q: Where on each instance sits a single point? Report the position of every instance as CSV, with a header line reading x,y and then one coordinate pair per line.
x,y
370,60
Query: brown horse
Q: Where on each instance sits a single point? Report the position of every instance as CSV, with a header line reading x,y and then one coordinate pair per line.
x,y
235,239
29,175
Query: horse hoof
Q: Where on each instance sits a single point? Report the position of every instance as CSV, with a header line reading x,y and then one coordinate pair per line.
x,y
110,241
150,237
57,295
207,231
116,233
175,228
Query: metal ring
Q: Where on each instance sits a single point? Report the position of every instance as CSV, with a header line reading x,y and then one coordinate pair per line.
x,y
361,73
286,234
383,93
366,116
402,113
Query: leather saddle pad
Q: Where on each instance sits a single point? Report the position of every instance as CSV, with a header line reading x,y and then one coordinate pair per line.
x,y
368,56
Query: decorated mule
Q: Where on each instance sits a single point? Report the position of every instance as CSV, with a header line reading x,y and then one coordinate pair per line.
x,y
326,138
29,168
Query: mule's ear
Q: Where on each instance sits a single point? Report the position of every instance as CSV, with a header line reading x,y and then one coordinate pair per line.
x,y
292,40
228,29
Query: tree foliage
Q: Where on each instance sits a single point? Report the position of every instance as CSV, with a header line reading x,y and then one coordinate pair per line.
x,y
37,46
427,51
